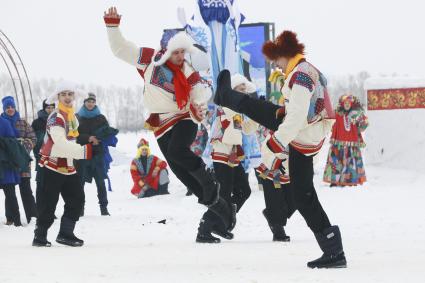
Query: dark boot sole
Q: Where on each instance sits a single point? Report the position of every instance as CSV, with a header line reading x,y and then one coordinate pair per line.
x,y
205,241
69,243
282,240
339,264
41,245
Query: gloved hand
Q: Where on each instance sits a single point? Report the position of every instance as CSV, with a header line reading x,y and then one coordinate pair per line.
x,y
273,154
112,18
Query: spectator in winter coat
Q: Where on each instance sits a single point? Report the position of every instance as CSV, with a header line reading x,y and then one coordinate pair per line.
x,y
9,178
175,95
57,156
26,137
91,121
39,127
227,154
149,173
303,127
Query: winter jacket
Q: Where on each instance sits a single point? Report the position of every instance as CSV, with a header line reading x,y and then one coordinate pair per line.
x,y
159,97
99,127
59,150
39,127
142,173
306,122
14,159
28,139
87,127
226,139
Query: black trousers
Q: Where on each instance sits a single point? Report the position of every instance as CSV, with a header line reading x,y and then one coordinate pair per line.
x,y
300,166
175,146
279,202
11,203
102,194
27,198
234,188
305,196
55,184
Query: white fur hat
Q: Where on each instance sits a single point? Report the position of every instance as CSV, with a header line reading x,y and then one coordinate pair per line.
x,y
63,86
179,40
238,79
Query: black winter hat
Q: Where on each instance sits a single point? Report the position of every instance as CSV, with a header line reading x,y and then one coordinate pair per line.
x,y
91,96
45,104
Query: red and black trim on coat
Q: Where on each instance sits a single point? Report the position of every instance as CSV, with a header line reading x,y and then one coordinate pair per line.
x,y
233,159
168,124
307,149
265,173
274,145
56,164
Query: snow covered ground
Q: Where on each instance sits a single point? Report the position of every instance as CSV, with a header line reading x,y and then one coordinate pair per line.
x,y
382,225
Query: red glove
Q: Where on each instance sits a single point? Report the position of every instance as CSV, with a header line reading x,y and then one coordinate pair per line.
x,y
112,18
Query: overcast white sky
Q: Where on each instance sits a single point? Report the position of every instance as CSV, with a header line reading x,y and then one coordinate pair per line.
x,y
67,39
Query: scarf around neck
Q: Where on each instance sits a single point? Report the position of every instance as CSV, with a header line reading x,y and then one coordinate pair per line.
x,y
181,85
70,119
85,113
293,62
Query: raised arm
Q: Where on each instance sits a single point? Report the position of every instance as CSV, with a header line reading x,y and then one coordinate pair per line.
x,y
122,48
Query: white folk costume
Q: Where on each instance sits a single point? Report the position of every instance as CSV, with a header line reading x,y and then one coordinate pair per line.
x,y
58,175
171,93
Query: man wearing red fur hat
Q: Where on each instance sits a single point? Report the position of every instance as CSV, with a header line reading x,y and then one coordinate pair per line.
x,y
297,135
175,95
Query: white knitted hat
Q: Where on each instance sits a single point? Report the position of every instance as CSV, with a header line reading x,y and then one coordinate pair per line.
x,y
238,79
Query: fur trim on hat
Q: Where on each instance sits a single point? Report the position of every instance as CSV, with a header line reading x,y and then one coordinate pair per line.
x,y
238,79
180,40
285,45
64,86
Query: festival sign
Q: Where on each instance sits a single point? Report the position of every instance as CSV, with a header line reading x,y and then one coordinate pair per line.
x,y
389,99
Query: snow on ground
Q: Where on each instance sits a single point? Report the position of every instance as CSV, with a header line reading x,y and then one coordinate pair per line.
x,y
382,226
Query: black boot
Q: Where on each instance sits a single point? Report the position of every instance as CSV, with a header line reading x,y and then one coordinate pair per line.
x,y
278,230
210,186
40,237
263,112
66,234
331,244
227,213
204,233
211,197
225,95
223,233
104,211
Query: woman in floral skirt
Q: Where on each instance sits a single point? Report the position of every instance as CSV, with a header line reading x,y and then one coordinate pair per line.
x,y
345,164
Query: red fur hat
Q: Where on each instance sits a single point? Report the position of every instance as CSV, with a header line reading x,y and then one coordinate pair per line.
x,y
285,45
